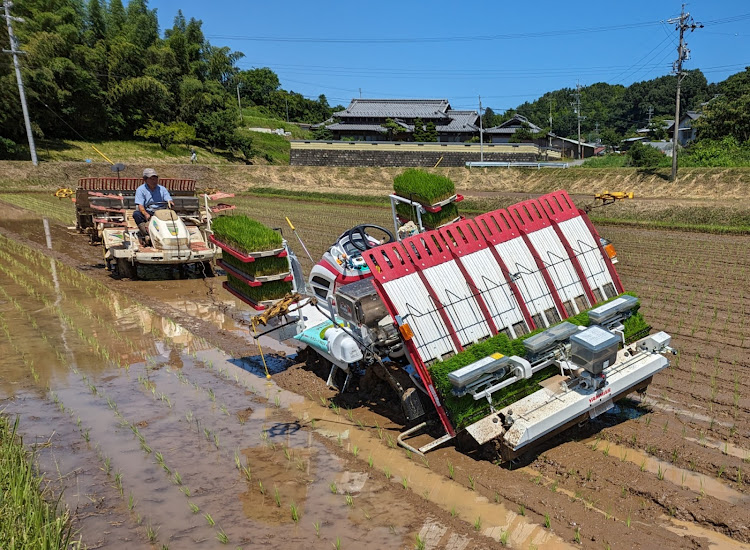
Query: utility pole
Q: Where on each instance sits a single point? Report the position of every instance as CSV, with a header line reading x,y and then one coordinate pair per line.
x,y
682,23
14,51
286,102
650,112
549,134
577,108
481,132
242,118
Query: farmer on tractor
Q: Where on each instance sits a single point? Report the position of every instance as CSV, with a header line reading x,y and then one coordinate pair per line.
x,y
149,197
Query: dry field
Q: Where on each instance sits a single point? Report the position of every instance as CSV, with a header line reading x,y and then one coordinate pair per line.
x,y
151,411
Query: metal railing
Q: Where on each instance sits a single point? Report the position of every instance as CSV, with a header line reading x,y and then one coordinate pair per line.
x,y
537,165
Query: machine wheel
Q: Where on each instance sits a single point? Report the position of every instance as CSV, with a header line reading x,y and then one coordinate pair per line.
x,y
126,270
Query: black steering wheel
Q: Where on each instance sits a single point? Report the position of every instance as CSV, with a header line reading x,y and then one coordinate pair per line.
x,y
359,237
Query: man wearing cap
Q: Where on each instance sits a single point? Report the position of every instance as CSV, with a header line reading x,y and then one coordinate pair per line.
x,y
149,197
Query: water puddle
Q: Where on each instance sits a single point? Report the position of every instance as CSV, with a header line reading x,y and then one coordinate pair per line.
x,y
716,540
724,446
678,476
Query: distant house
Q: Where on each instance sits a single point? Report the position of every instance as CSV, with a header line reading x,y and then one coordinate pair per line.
x,y
685,134
504,132
363,120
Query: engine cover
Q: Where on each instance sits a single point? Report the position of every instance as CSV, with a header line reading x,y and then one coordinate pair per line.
x,y
359,303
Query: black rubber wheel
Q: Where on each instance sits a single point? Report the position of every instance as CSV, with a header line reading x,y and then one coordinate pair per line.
x,y
125,269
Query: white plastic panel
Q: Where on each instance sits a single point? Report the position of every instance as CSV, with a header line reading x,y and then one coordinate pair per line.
x,y
488,277
410,297
520,262
587,250
453,291
559,267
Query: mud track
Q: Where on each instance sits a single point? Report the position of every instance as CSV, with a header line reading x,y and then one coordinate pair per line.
x,y
667,471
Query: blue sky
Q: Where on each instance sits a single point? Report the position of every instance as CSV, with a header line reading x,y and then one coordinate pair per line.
x,y
507,52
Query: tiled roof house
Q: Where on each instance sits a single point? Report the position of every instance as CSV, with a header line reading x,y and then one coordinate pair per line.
x,y
363,120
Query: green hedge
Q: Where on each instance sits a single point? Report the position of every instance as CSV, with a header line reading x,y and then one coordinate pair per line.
x,y
245,234
423,187
465,410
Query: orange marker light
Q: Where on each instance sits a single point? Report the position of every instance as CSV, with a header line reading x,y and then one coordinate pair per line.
x,y
406,331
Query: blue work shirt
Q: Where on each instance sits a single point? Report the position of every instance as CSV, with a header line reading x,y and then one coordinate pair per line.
x,y
152,200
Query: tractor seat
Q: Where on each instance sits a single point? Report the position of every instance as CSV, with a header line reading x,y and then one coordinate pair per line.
x,y
166,215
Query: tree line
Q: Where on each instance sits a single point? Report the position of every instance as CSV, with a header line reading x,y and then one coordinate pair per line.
x,y
99,69
613,112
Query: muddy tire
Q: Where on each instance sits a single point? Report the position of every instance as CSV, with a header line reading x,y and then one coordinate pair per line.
x,y
125,269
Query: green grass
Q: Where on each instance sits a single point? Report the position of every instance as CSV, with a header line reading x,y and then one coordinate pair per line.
x,y
62,210
130,151
270,147
423,186
612,160
256,118
27,520
464,410
245,234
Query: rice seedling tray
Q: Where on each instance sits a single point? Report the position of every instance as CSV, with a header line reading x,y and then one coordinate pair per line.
x,y
257,306
248,256
254,281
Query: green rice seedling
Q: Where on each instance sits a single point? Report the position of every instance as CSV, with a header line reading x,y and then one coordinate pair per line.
x,y
349,500
118,482
547,522
193,507
643,465
606,450
277,402
553,487
277,497
86,435
237,460
660,473
211,394
246,472
316,526
390,441
451,470
379,431
107,467
355,451
472,483
721,471
522,510
407,453
370,461
405,482
335,408
504,538
387,473
454,513
295,512
423,186
337,544
627,520
245,234
349,414
478,523
131,501
151,533
177,478
287,454
339,440
159,458
334,488
577,535
419,542
425,461
262,489
496,497
209,519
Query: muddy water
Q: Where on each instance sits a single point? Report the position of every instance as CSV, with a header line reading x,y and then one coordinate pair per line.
x,y
669,472
151,424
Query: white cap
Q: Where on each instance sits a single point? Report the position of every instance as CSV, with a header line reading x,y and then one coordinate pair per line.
x,y
148,172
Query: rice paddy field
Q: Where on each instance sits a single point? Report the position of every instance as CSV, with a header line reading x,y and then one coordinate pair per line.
x,y
152,419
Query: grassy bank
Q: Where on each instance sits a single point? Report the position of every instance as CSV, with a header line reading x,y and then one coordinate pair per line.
x,y
27,520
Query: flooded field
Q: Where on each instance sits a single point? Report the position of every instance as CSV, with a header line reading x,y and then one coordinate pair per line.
x,y
148,404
